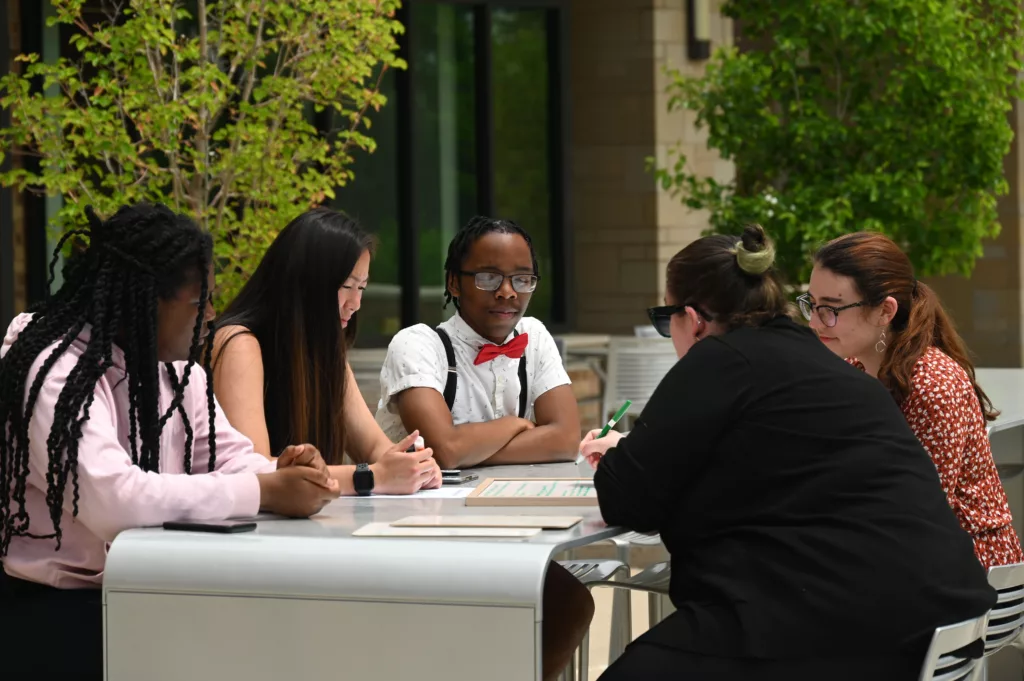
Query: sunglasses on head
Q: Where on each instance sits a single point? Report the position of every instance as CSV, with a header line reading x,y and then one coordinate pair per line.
x,y
661,316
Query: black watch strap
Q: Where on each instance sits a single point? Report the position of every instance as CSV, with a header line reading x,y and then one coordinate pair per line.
x,y
362,480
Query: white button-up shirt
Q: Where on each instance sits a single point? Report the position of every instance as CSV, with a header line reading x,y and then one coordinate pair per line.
x,y
416,359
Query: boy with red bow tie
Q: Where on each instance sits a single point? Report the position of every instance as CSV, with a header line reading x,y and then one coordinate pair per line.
x,y
488,385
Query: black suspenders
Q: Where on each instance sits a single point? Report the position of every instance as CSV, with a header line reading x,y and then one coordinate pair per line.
x,y
453,377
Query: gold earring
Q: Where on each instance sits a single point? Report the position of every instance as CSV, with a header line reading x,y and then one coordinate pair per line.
x,y
880,345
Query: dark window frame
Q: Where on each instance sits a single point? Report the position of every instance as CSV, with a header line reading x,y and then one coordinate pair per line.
x,y
33,203
6,207
561,280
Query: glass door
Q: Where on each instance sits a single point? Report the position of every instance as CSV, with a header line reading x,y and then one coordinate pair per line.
x,y
472,127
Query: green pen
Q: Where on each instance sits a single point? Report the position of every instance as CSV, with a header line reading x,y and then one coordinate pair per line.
x,y
608,426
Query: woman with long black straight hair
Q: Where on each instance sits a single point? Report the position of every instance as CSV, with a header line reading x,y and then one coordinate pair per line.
x,y
279,358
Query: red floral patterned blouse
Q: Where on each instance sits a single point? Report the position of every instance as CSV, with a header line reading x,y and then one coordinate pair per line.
x,y
945,414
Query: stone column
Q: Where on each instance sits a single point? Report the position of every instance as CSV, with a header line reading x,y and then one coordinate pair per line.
x,y
988,308
678,225
624,228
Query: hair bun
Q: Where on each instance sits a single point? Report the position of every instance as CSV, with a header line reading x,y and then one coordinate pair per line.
x,y
755,253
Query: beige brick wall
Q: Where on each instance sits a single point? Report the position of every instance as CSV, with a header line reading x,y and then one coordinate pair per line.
x,y
625,228
611,91
677,224
988,308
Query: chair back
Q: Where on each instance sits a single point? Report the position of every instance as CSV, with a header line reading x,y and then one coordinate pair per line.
x,y
1006,620
944,660
560,346
635,368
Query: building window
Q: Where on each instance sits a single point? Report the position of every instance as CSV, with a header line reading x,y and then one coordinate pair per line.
x,y
473,127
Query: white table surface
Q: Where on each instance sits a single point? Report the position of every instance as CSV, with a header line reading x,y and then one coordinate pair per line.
x,y
347,514
1005,387
306,600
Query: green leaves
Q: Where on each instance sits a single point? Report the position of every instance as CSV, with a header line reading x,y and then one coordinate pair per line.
x,y
879,114
211,112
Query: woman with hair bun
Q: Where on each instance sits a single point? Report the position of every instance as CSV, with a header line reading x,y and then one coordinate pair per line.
x,y
896,331
807,533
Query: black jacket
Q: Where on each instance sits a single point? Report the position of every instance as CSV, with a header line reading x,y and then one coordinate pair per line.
x,y
803,517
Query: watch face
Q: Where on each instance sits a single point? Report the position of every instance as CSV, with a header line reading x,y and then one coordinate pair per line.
x,y
362,479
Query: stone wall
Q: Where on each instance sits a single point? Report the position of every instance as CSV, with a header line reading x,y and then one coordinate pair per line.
x,y
987,308
678,225
625,229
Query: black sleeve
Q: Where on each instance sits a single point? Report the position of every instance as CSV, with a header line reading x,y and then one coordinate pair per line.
x,y
639,481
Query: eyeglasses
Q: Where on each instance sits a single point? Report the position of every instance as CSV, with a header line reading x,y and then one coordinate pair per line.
x,y
492,281
826,313
661,317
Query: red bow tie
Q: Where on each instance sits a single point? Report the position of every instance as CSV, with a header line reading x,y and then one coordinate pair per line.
x,y
514,349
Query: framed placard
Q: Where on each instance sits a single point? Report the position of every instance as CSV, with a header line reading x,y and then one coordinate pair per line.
x,y
534,492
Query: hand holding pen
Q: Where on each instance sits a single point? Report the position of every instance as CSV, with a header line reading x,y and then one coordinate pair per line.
x,y
597,442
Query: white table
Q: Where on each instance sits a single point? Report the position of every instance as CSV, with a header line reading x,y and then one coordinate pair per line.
x,y
1005,387
303,599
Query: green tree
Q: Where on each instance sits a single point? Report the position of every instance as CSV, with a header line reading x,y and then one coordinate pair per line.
x,y
243,113
846,115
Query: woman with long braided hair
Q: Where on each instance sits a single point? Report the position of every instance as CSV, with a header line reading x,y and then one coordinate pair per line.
x,y
108,423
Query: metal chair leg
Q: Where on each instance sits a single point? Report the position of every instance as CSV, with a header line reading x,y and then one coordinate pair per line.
x,y
622,623
659,607
583,668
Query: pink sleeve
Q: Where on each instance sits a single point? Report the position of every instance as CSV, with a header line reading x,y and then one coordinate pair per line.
x,y
234,450
115,495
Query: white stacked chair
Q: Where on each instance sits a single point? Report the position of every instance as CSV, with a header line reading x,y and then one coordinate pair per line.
x,y
944,661
635,368
591,573
655,582
1006,620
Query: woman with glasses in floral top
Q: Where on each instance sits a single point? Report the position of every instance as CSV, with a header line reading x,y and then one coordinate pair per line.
x,y
866,306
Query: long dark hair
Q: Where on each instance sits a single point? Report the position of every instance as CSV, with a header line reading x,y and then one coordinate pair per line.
x,y
734,278
140,255
291,306
880,269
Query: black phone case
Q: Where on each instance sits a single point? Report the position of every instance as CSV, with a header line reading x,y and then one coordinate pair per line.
x,y
225,528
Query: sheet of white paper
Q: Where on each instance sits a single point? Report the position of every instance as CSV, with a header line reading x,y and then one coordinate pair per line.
x,y
440,493
545,522
385,530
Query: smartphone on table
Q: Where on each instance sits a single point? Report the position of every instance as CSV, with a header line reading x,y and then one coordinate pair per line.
x,y
456,477
215,526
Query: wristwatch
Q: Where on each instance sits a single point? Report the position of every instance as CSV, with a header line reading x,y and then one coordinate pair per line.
x,y
362,479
